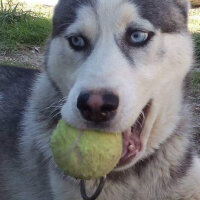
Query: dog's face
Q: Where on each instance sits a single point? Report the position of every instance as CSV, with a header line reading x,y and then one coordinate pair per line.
x,y
120,64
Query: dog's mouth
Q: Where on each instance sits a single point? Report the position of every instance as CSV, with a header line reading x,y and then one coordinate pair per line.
x,y
132,143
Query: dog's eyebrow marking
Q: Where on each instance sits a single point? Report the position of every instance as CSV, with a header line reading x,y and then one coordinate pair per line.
x,y
144,25
85,23
129,16
115,14
61,20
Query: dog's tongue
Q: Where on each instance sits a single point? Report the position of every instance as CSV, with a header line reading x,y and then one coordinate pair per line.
x,y
131,144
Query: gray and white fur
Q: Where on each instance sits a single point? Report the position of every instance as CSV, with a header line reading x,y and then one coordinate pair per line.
x,y
32,102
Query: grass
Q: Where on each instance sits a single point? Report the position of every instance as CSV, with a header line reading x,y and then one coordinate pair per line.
x,y
196,37
195,81
194,26
21,27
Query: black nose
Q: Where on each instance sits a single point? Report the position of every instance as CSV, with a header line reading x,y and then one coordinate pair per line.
x,y
98,106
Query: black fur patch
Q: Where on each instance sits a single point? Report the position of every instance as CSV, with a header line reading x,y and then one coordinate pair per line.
x,y
15,88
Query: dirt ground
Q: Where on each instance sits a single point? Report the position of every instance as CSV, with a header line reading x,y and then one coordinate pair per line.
x,y
29,57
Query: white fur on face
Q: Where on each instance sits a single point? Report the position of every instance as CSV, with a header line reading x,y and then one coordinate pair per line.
x,y
156,73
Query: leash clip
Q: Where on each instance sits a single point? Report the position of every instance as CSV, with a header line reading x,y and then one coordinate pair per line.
x,y
97,192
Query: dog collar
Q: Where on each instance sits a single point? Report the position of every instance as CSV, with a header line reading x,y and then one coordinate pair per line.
x,y
97,192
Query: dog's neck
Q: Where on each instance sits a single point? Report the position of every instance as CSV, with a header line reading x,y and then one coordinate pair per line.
x,y
170,163
164,168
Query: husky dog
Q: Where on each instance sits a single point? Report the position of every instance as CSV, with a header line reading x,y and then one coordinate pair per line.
x,y
115,66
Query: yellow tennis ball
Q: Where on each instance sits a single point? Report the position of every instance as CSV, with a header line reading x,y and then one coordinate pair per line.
x,y
85,154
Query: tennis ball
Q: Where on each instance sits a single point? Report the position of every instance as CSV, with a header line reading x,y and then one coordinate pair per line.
x,y
85,154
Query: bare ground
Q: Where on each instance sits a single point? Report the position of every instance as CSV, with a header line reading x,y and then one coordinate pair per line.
x,y
28,57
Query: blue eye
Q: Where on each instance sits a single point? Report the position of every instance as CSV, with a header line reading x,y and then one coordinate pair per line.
x,y
139,37
78,43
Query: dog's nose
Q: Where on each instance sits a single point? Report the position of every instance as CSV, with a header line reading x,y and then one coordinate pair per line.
x,y
98,106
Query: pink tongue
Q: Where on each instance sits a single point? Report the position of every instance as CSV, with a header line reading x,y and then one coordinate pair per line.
x,y
131,144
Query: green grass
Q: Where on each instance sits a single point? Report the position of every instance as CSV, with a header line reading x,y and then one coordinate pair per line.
x,y
195,80
194,89
20,27
24,26
197,46
194,26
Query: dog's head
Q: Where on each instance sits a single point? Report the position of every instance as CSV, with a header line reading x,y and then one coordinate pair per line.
x,y
121,64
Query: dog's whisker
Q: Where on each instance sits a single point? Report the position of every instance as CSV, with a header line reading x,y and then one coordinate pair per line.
x,y
55,104
54,116
138,122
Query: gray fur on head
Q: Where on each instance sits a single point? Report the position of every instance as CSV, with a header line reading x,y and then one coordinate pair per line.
x,y
65,14
170,17
167,15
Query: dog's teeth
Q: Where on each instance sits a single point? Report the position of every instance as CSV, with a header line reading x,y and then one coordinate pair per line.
x,y
103,114
131,147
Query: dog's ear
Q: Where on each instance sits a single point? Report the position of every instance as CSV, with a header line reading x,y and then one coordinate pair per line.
x,y
184,5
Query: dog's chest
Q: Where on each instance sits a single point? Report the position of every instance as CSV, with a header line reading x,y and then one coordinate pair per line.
x,y
130,189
